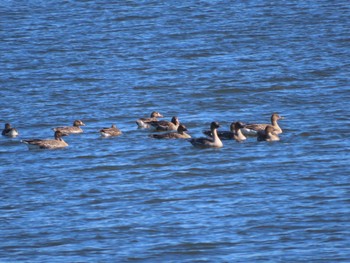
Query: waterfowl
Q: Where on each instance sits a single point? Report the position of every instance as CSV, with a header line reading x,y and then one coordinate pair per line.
x,y
209,142
56,143
109,132
268,134
71,129
145,122
9,131
252,129
179,134
166,125
235,132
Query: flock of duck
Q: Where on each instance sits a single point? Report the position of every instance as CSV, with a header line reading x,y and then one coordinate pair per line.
x,y
165,130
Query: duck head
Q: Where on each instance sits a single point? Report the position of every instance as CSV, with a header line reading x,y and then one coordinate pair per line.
x,y
78,123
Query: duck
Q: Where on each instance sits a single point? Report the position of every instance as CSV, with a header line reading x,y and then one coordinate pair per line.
x,y
71,129
166,125
252,129
110,132
235,132
57,143
268,134
209,142
9,131
145,122
179,134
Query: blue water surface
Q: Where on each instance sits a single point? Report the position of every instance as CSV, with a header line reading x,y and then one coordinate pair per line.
x,y
137,199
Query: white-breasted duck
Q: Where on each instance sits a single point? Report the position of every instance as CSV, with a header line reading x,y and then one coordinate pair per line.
x,y
209,142
145,122
71,129
268,134
179,134
235,132
56,143
9,131
252,129
110,132
166,125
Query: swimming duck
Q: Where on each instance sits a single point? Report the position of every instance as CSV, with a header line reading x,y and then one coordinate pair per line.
x,y
268,134
166,125
179,134
145,122
252,129
209,142
56,143
71,129
109,132
9,131
235,132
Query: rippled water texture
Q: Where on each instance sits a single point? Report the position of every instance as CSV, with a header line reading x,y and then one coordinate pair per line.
x,y
133,198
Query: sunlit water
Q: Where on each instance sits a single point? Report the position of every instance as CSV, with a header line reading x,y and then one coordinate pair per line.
x,y
133,198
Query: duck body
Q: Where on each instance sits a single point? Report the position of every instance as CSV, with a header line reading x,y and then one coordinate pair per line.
x,y
180,134
166,125
144,123
57,143
110,132
209,142
235,132
253,129
268,134
71,129
9,131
